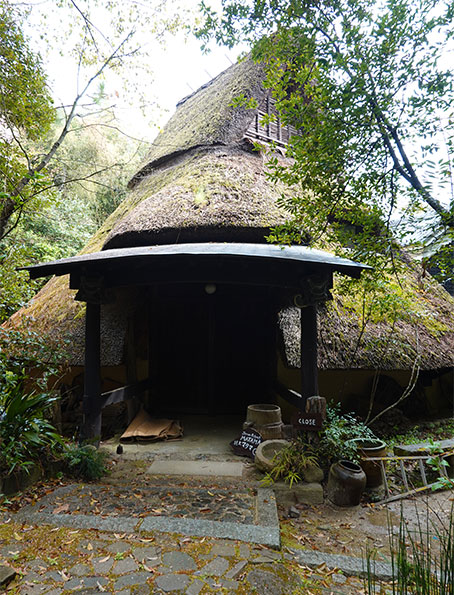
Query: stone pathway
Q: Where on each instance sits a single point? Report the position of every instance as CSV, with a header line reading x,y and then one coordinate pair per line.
x,y
58,561
134,534
225,505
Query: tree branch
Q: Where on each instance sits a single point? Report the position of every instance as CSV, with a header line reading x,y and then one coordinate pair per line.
x,y
8,206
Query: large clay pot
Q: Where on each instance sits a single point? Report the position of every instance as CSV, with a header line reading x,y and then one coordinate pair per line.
x,y
266,419
346,483
372,469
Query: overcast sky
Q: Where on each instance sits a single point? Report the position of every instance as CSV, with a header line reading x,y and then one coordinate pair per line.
x,y
178,66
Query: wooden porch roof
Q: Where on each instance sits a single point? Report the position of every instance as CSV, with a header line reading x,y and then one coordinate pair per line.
x,y
122,258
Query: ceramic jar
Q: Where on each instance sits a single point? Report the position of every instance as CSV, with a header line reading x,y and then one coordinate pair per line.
x,y
346,483
372,469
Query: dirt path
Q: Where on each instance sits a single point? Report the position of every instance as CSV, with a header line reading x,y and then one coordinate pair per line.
x,y
355,531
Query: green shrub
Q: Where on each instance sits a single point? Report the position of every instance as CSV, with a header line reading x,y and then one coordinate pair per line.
x,y
339,435
84,462
29,368
25,433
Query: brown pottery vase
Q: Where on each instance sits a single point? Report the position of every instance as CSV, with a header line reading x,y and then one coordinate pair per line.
x,y
372,469
346,483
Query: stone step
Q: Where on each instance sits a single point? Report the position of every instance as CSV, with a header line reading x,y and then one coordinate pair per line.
x,y
422,448
196,468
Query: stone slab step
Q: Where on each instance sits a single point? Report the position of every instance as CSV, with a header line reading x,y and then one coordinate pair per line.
x,y
212,468
409,450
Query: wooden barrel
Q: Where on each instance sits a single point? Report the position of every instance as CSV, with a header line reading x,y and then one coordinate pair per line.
x,y
266,419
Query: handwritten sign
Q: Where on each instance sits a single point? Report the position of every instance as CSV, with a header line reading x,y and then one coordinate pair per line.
x,y
308,422
246,444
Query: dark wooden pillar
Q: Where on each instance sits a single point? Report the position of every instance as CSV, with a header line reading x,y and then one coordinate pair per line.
x,y
309,370
91,429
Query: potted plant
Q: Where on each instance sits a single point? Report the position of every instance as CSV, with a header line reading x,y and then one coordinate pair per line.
x,y
341,437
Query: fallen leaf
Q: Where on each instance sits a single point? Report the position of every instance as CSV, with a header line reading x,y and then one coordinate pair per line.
x,y
144,540
63,574
149,569
61,508
118,536
100,587
89,547
17,536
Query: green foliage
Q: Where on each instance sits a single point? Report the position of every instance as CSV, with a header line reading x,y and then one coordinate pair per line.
x,y
25,433
84,462
290,462
91,172
366,84
439,464
26,114
339,436
25,102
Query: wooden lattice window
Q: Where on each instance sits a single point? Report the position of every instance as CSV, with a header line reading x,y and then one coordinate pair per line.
x,y
271,131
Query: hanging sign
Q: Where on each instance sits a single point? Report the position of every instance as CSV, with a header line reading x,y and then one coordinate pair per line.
x,y
308,422
246,444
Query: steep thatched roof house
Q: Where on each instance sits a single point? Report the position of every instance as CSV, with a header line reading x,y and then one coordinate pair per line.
x,y
186,291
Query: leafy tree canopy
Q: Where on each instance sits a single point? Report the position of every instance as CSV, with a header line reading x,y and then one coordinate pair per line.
x,y
26,110
370,86
25,102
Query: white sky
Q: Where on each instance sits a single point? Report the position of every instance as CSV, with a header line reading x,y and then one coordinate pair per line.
x,y
178,66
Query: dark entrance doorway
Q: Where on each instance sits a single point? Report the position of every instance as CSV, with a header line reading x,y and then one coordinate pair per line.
x,y
213,352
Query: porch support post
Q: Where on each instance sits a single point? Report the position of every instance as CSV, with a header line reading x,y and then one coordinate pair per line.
x,y
309,370
91,430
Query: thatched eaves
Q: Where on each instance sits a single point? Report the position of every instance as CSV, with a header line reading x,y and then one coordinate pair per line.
x,y
420,333
216,195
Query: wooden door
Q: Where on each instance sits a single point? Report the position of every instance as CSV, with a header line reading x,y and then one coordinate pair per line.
x,y
212,353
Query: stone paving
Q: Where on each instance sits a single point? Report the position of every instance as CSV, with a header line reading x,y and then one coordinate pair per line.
x,y
90,562
109,501
132,534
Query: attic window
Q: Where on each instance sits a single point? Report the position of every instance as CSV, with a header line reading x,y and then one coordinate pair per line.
x,y
271,131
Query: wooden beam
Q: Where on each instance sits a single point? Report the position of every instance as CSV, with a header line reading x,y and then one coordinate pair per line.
x,y
124,393
92,404
309,370
291,396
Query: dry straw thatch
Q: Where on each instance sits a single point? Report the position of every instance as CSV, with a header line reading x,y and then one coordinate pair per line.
x,y
201,182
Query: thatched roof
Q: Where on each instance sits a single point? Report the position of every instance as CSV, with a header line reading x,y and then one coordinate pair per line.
x,y
200,183
218,194
427,341
207,117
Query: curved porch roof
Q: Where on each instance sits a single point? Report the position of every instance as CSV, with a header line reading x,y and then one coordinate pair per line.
x,y
145,256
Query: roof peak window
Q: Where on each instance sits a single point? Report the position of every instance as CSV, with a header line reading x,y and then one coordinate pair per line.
x,y
266,126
